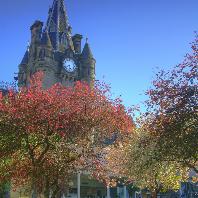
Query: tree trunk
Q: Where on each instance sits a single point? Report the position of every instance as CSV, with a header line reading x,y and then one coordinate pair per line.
x,y
154,194
34,189
47,189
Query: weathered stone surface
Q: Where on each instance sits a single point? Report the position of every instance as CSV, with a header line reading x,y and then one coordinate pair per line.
x,y
51,50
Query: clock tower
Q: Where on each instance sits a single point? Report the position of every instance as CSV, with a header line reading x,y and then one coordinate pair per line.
x,y
55,51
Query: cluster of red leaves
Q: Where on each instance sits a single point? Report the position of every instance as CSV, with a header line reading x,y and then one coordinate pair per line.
x,y
79,118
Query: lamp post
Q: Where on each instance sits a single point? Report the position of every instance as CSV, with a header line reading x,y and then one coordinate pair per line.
x,y
125,192
108,192
78,184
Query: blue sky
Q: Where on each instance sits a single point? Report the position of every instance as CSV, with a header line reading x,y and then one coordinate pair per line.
x,y
129,38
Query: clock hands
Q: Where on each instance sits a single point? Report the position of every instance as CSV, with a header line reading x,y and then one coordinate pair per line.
x,y
69,65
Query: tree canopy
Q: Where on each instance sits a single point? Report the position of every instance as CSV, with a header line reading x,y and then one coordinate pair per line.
x,y
172,116
48,135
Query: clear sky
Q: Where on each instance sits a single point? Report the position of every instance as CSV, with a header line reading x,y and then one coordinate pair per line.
x,y
129,38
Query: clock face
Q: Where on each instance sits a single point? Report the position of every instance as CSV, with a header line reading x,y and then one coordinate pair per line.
x,y
69,65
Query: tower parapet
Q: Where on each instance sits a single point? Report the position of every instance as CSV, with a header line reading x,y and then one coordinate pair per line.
x,y
77,39
36,32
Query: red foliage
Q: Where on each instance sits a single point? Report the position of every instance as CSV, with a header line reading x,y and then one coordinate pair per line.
x,y
39,120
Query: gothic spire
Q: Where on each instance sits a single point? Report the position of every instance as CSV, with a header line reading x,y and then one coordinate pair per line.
x,y
58,26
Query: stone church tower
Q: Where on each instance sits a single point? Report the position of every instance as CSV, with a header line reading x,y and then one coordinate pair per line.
x,y
56,52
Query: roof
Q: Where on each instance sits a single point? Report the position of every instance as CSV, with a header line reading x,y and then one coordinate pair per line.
x,y
25,58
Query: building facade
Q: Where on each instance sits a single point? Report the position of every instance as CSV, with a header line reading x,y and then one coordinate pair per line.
x,y
55,51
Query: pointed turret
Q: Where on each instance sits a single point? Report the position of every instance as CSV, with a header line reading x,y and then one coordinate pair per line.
x,y
58,27
88,64
87,53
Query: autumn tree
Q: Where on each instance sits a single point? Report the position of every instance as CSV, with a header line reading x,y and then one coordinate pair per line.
x,y
172,116
48,135
146,171
135,163
166,146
